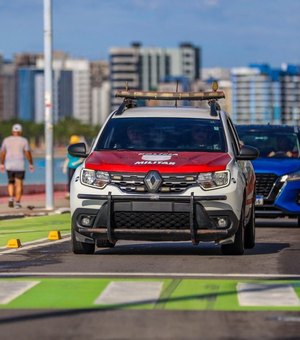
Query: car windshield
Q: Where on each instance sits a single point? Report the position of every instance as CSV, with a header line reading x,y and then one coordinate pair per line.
x,y
271,143
161,134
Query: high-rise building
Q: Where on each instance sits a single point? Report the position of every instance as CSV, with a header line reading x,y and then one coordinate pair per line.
x,y
256,94
26,59
100,103
144,68
26,92
8,98
222,77
261,94
81,86
31,94
39,93
290,89
100,90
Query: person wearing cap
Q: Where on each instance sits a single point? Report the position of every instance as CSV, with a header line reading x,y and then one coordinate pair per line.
x,y
71,163
14,150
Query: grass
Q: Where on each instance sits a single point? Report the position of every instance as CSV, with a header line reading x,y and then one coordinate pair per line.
x,y
33,228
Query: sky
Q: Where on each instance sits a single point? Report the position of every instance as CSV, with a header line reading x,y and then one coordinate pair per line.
x,y
230,33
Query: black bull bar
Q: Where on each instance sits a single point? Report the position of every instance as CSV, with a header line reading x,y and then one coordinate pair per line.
x,y
155,202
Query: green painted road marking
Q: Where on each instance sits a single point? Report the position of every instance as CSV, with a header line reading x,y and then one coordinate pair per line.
x,y
185,294
33,228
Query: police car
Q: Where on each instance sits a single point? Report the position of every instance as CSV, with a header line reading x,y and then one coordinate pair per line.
x,y
149,176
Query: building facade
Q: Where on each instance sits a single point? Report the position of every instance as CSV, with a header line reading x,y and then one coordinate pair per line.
x,y
290,90
71,87
261,94
8,96
144,68
256,95
26,91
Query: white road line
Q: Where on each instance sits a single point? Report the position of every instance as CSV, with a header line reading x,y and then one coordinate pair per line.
x,y
34,244
129,292
141,275
261,295
11,290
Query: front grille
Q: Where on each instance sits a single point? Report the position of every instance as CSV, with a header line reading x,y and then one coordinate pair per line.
x,y
151,220
265,183
170,183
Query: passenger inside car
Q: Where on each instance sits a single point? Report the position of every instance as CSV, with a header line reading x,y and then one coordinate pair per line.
x,y
200,137
157,137
136,137
284,148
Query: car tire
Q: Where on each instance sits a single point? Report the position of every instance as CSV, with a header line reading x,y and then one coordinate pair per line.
x,y
250,231
105,244
237,247
81,247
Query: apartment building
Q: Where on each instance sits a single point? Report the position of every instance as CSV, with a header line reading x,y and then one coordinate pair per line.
x,y
72,78
145,67
8,98
100,91
261,94
26,92
290,90
256,94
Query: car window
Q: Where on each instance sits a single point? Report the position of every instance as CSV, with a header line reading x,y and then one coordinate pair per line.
x,y
234,137
159,134
272,143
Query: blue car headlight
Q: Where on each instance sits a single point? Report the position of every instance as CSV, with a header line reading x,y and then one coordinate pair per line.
x,y
294,176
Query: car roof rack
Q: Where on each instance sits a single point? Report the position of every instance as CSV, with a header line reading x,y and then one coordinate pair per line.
x,y
130,97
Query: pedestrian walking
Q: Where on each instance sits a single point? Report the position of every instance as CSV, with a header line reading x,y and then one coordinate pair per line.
x,y
71,163
14,150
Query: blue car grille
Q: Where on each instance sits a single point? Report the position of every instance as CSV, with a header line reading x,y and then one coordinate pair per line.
x,y
265,184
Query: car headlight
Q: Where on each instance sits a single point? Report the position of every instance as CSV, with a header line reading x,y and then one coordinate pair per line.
x,y
213,180
295,176
98,179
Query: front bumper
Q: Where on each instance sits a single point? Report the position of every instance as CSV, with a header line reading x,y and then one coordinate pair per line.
x,y
154,218
284,200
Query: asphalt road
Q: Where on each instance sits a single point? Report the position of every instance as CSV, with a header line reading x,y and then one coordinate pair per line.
x,y
275,257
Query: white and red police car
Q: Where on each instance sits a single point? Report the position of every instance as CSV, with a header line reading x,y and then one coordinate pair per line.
x,y
158,173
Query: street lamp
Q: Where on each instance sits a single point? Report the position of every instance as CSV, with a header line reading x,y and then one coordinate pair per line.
x,y
48,104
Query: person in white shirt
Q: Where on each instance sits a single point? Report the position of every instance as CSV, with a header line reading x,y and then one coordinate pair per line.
x,y
14,150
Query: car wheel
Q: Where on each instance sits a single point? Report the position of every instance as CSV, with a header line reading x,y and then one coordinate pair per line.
x,y
81,247
250,231
237,247
105,244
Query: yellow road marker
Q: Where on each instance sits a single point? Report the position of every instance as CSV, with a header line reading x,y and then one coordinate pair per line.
x,y
14,243
54,235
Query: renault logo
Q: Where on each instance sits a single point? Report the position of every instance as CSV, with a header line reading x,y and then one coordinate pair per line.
x,y
153,181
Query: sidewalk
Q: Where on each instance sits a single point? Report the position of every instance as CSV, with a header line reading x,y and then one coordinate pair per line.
x,y
34,205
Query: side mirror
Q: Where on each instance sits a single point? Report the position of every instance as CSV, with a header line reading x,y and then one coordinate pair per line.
x,y
77,150
247,153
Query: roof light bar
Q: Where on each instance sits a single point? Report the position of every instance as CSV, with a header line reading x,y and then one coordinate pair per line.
x,y
130,94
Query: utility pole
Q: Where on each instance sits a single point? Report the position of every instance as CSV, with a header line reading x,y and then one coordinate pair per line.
x,y
48,104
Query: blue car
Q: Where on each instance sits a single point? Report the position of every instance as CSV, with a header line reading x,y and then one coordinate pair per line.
x,y
277,169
